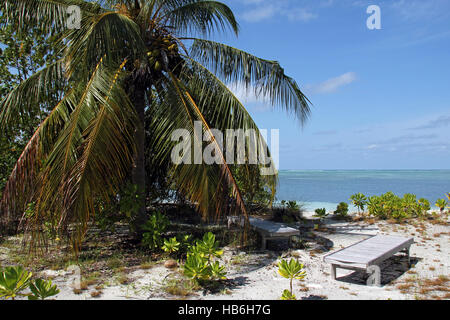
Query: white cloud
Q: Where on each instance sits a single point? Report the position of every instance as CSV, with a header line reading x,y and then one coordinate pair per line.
x,y
300,14
419,9
263,9
333,84
259,14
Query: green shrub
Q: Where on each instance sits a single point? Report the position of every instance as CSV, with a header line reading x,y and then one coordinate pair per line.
x,y
288,212
200,264
341,209
292,206
196,267
154,229
14,280
171,245
359,201
120,208
42,289
441,204
321,213
424,206
390,206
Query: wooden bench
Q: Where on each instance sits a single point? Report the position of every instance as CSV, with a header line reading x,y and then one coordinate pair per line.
x,y
267,229
368,255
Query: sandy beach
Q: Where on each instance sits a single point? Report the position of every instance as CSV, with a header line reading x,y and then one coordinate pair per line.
x,y
253,275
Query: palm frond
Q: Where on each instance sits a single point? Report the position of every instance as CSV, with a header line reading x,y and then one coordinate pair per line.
x,y
28,95
50,15
91,156
23,181
111,36
222,108
266,78
202,184
201,17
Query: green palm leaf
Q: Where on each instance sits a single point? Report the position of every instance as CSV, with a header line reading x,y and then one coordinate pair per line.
x,y
264,77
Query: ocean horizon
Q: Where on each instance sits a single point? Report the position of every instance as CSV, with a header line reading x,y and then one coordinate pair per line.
x,y
326,188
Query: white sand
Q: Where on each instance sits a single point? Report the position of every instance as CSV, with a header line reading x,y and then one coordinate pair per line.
x,y
254,275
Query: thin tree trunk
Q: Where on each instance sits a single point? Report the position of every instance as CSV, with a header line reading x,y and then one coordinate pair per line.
x,y
139,172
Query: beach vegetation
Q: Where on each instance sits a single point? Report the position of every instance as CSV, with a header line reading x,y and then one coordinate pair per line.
x,y
359,200
391,206
441,204
171,245
201,262
341,210
321,213
15,279
288,211
42,289
154,228
292,270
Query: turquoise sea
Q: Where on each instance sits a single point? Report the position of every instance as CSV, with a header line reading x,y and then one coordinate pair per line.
x,y
326,188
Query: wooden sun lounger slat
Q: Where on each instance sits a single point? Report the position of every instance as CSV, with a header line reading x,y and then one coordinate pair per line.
x,y
367,253
270,230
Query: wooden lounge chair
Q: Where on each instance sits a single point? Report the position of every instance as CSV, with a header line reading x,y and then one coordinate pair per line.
x,y
368,255
267,229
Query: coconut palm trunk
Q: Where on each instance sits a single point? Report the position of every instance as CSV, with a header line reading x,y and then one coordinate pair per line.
x,y
138,174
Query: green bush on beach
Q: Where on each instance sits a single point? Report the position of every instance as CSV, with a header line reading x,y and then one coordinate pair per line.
x,y
391,206
341,210
200,264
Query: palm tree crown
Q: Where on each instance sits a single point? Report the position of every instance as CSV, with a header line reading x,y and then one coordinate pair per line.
x,y
132,66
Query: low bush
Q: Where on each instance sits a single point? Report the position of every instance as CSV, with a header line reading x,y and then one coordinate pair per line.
x,y
201,262
321,213
341,209
391,206
154,229
14,280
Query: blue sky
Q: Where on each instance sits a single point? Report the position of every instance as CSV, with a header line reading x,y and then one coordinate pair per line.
x,y
381,98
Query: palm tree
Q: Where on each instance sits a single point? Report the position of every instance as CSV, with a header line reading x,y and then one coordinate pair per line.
x,y
131,60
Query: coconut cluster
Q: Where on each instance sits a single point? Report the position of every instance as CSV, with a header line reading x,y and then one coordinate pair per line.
x,y
161,50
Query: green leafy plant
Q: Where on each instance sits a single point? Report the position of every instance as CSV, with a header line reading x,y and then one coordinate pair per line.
x,y
13,280
287,295
154,229
217,271
291,270
390,206
196,267
292,205
287,212
42,289
199,262
208,247
359,201
424,206
341,209
441,204
321,213
171,245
